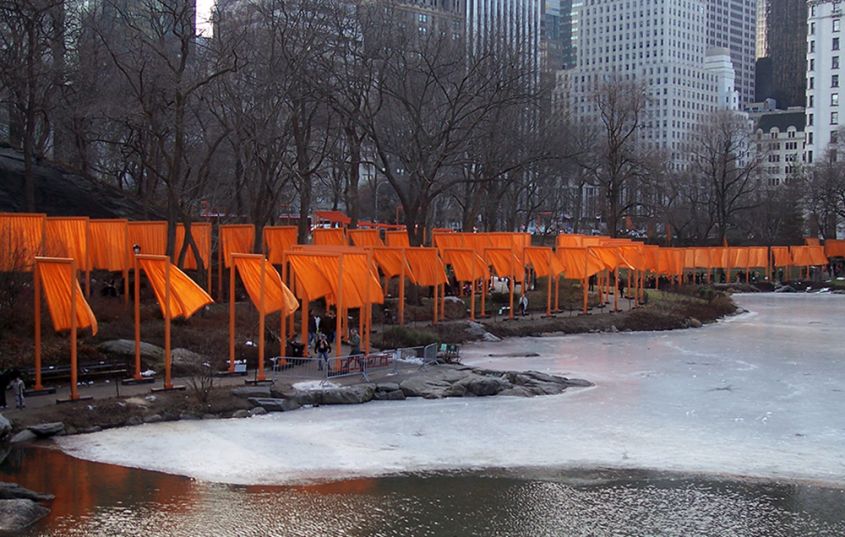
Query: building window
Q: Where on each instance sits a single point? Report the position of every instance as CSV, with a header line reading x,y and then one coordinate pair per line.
x,y
812,28
812,46
834,81
834,62
834,137
812,64
810,101
834,118
810,119
835,43
834,99
835,25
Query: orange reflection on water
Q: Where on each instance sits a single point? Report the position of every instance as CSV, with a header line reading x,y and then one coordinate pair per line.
x,y
81,486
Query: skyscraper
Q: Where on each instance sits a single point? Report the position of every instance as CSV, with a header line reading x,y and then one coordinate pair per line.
x,y
732,24
824,73
782,51
515,22
660,43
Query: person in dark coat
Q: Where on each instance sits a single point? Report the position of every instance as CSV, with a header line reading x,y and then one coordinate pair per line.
x,y
4,383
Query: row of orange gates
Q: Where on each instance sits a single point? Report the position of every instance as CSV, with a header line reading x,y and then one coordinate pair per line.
x,y
341,266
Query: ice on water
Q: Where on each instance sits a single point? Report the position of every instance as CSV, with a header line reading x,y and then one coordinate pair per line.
x,y
761,394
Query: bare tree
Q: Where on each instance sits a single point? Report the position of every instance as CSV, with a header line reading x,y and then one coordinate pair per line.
x,y
618,162
725,161
30,45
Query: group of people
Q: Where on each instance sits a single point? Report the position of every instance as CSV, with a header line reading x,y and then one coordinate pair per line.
x,y
13,377
321,333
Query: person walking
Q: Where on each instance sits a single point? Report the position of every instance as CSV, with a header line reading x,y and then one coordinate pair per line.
x,y
18,386
313,328
4,383
322,348
354,342
523,304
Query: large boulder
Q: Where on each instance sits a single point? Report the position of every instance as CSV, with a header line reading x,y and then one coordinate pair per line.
x,y
125,349
436,382
5,429
17,515
485,385
187,359
13,491
348,395
252,391
273,404
46,430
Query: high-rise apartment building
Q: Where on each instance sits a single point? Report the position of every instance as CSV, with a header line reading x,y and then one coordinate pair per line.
x,y
824,75
732,24
662,44
515,22
781,51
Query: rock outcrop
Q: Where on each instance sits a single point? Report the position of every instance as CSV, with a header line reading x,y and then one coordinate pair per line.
x,y
17,515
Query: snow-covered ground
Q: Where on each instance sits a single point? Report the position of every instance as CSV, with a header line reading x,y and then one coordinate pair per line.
x,y
761,394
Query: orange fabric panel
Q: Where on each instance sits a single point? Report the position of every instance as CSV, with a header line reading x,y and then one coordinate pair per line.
x,y
782,256
739,257
150,236
21,239
426,266
237,239
278,240
390,260
186,297
108,245
397,238
277,296
67,237
329,236
579,263
689,258
649,257
542,262
450,240
804,256
56,280
310,280
812,241
201,233
702,258
359,275
611,257
569,241
504,262
817,255
834,248
365,237
467,265
758,257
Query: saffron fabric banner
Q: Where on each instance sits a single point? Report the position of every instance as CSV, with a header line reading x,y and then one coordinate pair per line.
x,y
278,240
201,233
108,245
21,239
236,239
186,297
57,277
277,296
67,237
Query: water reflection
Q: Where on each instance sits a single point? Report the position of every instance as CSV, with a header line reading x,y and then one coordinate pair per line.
x,y
95,499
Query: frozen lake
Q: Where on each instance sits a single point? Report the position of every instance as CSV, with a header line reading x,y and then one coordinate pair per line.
x,y
760,394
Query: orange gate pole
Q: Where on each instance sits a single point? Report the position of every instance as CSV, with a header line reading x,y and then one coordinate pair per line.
x,y
616,289
261,317
231,318
74,376
402,291
168,385
283,325
137,272
37,313
435,298
512,283
585,285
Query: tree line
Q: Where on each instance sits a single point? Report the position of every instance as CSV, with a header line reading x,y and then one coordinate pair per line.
x,y
364,106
